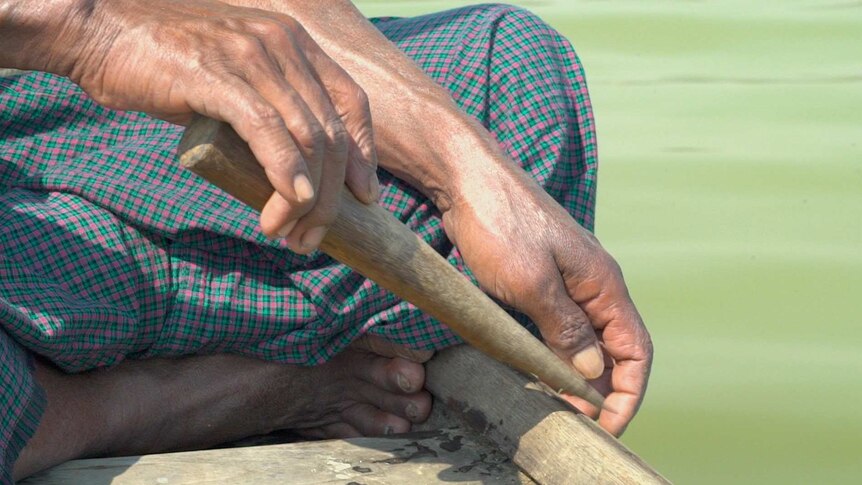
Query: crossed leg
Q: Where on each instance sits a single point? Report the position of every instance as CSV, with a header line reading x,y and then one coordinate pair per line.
x,y
158,405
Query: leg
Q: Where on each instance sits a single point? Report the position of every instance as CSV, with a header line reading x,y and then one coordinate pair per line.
x,y
505,67
21,401
85,290
331,305
218,398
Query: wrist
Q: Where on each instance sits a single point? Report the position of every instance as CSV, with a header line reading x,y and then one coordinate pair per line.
x,y
449,158
44,35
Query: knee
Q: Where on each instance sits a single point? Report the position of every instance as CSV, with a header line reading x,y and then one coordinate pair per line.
x,y
504,19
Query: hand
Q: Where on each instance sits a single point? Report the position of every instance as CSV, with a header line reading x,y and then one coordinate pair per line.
x,y
527,251
305,119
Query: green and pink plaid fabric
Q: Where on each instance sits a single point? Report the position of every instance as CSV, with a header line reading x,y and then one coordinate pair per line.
x,y
110,251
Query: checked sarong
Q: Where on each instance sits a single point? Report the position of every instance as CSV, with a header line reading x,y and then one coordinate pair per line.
x,y
110,251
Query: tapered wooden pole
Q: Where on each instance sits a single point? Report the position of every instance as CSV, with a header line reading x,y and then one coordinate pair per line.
x,y
374,243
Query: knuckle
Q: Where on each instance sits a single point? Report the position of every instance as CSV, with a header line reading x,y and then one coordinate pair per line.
x,y
263,117
286,22
610,264
270,28
356,106
571,333
359,97
279,30
226,24
647,346
247,46
310,137
337,138
538,288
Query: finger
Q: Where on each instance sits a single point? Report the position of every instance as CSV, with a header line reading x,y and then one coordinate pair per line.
x,y
624,402
327,163
632,350
361,176
289,175
386,348
262,126
371,421
271,217
605,299
623,384
351,103
628,344
303,105
568,332
602,384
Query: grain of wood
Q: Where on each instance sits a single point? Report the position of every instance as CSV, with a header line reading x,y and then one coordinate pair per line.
x,y
417,458
543,435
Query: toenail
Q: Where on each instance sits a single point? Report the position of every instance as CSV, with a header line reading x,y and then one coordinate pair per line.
x,y
404,384
388,430
412,411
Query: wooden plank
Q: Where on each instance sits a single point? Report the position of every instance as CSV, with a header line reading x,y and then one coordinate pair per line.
x,y
501,412
447,455
543,436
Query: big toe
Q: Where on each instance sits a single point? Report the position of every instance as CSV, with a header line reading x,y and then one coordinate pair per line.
x,y
395,375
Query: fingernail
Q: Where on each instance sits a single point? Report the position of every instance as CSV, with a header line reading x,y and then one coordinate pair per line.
x,y
404,383
302,187
412,411
312,237
590,362
373,187
284,231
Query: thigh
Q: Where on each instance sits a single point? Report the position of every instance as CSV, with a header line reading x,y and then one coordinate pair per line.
x,y
524,82
77,284
233,290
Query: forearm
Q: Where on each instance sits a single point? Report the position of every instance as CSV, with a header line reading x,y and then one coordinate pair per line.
x,y
42,35
421,135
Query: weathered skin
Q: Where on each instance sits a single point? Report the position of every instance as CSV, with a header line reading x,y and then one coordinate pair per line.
x,y
301,81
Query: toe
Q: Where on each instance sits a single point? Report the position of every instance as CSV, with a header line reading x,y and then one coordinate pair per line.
x,y
371,421
331,431
414,407
394,375
419,408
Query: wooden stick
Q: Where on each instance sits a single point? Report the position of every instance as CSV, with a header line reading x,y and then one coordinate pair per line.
x,y
539,432
374,243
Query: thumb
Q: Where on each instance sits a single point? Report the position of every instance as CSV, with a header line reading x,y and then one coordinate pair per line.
x,y
568,332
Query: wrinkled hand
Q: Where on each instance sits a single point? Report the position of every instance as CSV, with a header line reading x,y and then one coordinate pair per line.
x,y
305,119
527,251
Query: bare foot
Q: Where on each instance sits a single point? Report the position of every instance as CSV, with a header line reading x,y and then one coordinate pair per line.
x,y
161,405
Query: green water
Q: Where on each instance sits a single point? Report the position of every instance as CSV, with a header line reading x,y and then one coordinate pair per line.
x,y
730,190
